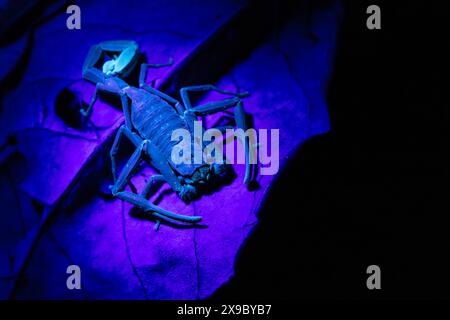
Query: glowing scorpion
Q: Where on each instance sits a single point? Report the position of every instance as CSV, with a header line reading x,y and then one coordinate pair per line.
x,y
149,121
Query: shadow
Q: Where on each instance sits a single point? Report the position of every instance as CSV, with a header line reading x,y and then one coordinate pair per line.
x,y
12,79
67,108
21,17
164,193
372,190
22,21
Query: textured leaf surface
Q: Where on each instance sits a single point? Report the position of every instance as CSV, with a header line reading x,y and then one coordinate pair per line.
x,y
120,255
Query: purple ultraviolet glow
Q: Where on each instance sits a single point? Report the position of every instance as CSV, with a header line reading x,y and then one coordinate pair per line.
x,y
121,256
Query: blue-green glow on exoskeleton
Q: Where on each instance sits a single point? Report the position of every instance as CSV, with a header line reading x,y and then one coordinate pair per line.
x,y
150,120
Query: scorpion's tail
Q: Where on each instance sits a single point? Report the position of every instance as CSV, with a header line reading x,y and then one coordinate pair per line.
x,y
158,212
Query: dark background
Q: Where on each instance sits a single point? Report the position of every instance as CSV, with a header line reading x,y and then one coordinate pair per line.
x,y
374,189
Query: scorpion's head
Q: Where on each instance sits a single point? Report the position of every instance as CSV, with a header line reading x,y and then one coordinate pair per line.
x,y
205,176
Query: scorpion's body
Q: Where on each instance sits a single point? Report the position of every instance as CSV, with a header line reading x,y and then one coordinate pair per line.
x,y
154,119
150,120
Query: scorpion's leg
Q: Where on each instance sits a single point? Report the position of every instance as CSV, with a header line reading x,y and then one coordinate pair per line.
x,y
135,159
184,93
217,106
151,181
146,191
123,98
139,200
160,162
145,66
155,157
90,72
98,87
134,138
240,121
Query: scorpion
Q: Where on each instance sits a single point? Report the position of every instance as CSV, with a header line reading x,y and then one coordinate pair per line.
x,y
148,123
